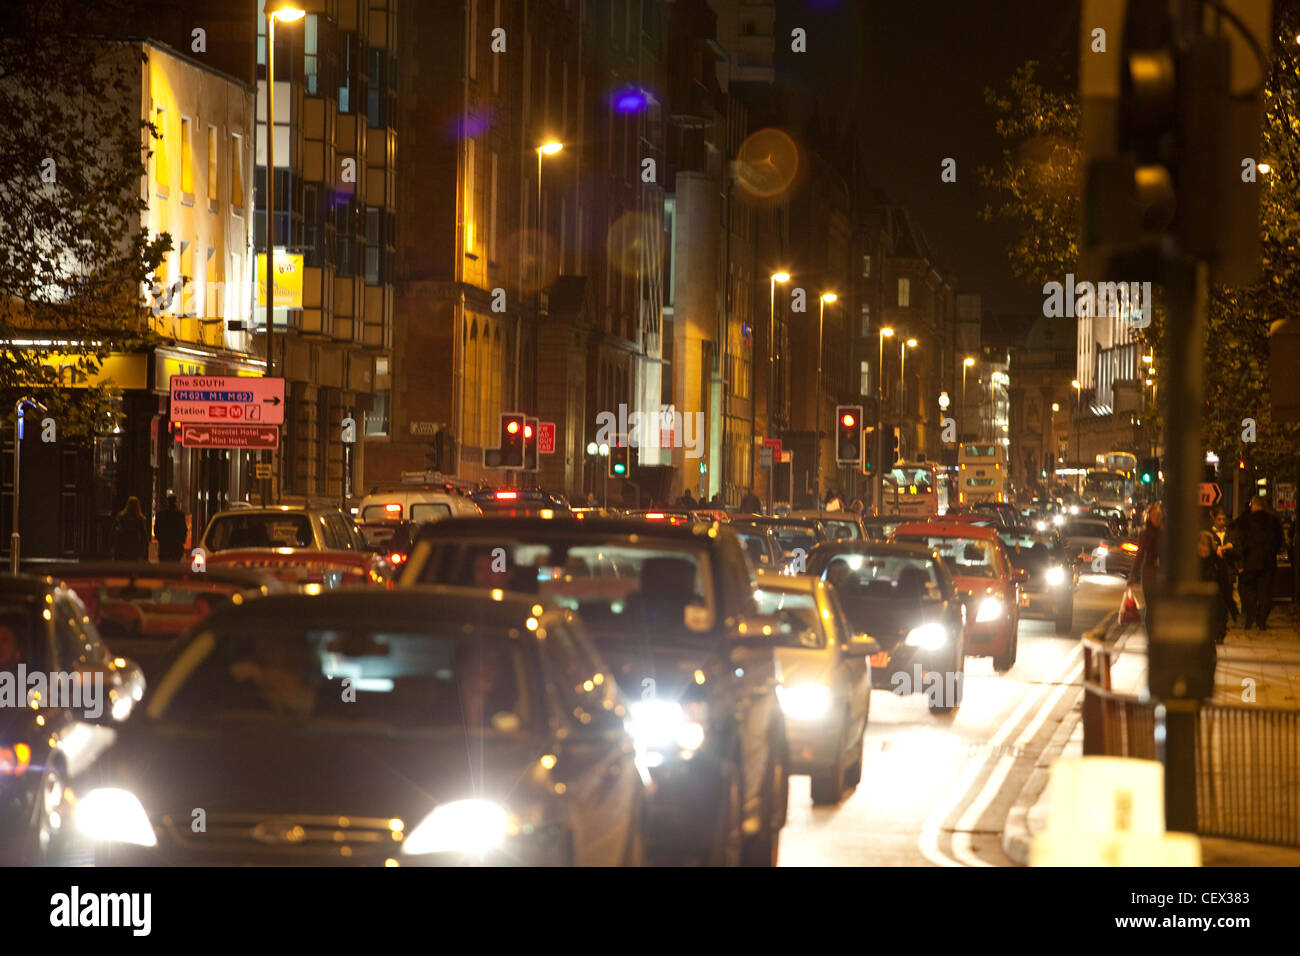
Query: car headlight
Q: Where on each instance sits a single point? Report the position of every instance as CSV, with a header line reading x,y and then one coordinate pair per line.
x,y
1040,525
661,724
929,637
1056,576
804,701
114,816
990,610
1058,520
463,826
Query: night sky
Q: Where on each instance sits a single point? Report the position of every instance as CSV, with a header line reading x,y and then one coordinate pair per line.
x,y
921,69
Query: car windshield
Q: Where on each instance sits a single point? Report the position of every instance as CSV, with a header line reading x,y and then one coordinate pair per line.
x,y
385,535
790,537
841,530
799,608
149,607
273,530
429,511
887,576
1031,555
966,557
442,679
623,591
1086,529
755,549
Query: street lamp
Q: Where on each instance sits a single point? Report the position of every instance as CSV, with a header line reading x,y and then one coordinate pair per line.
x,y
774,278
902,381
285,14
1078,406
966,363
817,407
885,333
14,538
548,148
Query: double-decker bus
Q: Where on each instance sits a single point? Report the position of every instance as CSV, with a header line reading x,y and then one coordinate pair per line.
x,y
981,473
914,489
1111,489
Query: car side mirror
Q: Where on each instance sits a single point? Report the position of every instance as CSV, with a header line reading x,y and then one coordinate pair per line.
x,y
861,645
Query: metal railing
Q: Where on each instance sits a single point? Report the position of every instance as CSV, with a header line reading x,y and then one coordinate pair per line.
x,y
1247,758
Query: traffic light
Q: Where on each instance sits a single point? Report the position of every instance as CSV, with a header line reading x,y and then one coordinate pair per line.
x,y
1149,470
512,440
530,444
848,430
870,450
890,438
618,459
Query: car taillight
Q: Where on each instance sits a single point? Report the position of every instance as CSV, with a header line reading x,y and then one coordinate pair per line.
x,y
507,495
393,509
397,558
654,514
1132,548
15,760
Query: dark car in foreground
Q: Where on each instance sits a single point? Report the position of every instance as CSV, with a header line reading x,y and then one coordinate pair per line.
x,y
431,726
671,609
903,596
62,696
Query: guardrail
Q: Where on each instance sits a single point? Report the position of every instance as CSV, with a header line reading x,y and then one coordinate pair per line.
x,y
1247,758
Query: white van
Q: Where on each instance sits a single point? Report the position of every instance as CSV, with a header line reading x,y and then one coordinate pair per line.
x,y
414,504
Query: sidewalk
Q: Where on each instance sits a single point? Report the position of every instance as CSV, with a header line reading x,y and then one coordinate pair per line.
x,y
1265,664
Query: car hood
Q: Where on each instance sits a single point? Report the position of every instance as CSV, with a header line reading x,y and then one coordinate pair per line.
x,y
664,670
804,665
888,620
258,769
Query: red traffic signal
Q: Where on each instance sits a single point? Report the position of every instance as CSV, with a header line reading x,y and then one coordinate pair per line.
x,y
847,420
512,426
528,431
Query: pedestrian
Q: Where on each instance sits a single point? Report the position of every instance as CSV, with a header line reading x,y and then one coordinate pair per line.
x,y
171,531
750,504
717,503
1259,534
1146,565
1215,569
857,506
131,533
1225,546
687,500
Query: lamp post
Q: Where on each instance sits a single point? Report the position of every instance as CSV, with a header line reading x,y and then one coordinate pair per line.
x,y
548,148
285,14
15,540
773,279
817,407
966,363
1078,406
902,379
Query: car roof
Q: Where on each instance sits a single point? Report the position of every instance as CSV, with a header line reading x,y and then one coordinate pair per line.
x,y
883,548
772,520
145,569
787,582
513,527
947,529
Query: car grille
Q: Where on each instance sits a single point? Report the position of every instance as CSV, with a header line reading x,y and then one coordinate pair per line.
x,y
305,836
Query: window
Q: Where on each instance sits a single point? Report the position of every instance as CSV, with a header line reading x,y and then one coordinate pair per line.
x,y
212,164
237,171
376,101
904,293
310,59
336,533
865,373
866,266
347,72
492,211
866,320
187,160
374,246
161,174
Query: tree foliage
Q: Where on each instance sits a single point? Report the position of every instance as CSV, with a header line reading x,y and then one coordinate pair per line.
x,y
73,256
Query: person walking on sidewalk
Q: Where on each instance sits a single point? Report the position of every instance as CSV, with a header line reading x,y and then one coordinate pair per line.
x,y
131,533
1225,546
170,530
1260,534
1215,569
1147,565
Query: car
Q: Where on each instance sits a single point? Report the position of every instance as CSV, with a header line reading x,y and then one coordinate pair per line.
x,y
670,516
835,525
795,537
50,740
309,571
479,729
389,539
302,527
1051,575
825,689
418,504
1098,547
880,527
982,571
521,502
142,608
761,547
672,610
1007,514
905,598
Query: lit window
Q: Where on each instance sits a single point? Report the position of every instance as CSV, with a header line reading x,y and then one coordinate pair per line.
x,y
237,171
212,164
187,159
161,174
904,293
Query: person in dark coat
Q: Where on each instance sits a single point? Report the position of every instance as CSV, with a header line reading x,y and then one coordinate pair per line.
x,y
1147,565
1225,546
1215,569
750,504
170,530
687,500
131,533
1259,534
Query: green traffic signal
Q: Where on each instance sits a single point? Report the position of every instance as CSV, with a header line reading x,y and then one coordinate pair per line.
x,y
1146,478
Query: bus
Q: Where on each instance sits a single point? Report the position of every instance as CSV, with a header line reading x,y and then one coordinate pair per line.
x,y
981,473
1118,461
1111,489
911,489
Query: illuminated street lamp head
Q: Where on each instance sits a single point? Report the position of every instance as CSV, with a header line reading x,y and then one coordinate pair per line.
x,y
287,14
829,296
551,147
1056,407
781,276
1075,384
887,332
911,343
1265,168
944,401
968,361
592,448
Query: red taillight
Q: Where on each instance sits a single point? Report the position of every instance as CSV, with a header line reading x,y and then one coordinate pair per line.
x,y
507,495
654,514
15,760
1129,547
397,558
392,508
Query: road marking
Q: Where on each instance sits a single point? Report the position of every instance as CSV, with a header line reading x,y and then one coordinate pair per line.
x,y
928,841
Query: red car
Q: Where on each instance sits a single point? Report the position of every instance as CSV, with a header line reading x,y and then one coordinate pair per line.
x,y
983,573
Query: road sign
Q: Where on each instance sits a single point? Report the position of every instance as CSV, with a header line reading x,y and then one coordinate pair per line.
x,y
1285,497
775,445
230,436
765,457
1208,494
262,469
227,399
425,428
546,438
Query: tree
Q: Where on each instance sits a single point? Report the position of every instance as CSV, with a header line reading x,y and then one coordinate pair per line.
x,y
73,257
1037,187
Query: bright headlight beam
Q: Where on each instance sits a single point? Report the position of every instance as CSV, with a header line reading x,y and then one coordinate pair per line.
x,y
1055,576
804,702
928,637
990,610
463,826
114,816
